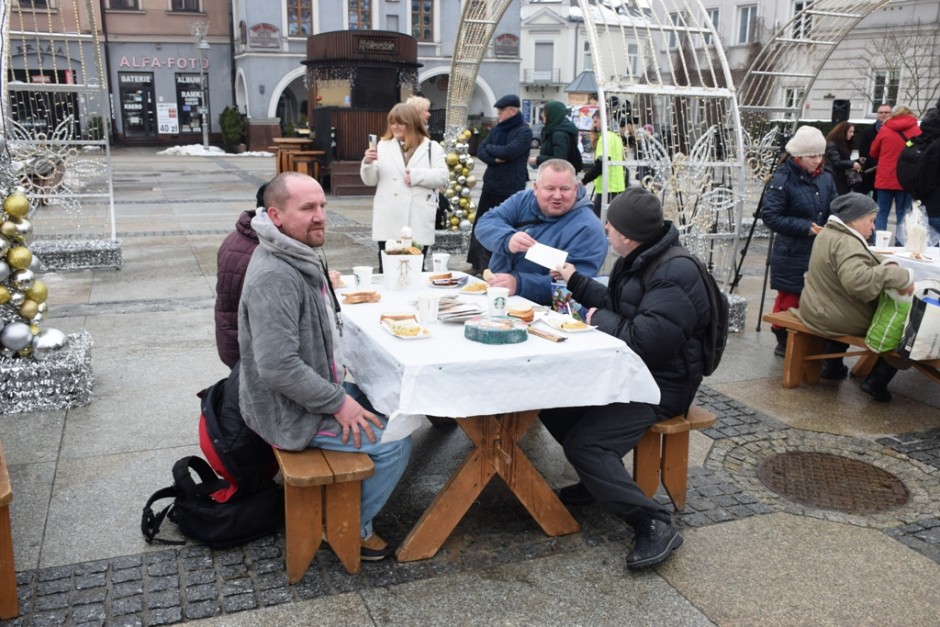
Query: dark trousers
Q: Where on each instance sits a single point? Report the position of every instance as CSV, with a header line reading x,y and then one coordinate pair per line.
x,y
595,440
477,255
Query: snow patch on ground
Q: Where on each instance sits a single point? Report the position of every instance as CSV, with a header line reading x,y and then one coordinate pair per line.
x,y
197,150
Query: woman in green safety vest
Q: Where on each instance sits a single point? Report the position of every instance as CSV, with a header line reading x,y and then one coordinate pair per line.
x,y
616,181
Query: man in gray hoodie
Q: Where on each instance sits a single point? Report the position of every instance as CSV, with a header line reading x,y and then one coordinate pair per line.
x,y
292,389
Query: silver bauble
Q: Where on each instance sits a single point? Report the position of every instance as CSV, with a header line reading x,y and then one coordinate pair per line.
x,y
17,299
465,192
454,201
470,163
465,225
471,206
37,318
459,213
36,265
24,279
43,308
6,352
4,246
23,228
3,144
16,336
461,148
48,342
4,270
461,180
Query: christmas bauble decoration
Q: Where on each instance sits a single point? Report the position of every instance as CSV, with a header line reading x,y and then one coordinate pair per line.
x,y
19,257
465,225
24,279
449,192
8,228
471,181
461,180
17,299
464,191
454,221
48,342
36,319
16,336
43,308
23,228
16,205
4,294
37,292
35,265
452,159
472,216
4,271
4,247
29,309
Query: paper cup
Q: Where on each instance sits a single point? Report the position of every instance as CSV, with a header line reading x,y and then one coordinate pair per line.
x,y
362,276
883,239
427,308
439,262
498,300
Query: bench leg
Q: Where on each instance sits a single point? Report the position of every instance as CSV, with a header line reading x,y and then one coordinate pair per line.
x,y
303,507
675,466
864,364
646,463
796,369
9,603
343,502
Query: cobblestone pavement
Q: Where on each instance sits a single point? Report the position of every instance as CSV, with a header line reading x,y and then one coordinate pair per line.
x,y
192,582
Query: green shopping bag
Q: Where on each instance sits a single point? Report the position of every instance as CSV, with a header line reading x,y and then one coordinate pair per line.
x,y
887,325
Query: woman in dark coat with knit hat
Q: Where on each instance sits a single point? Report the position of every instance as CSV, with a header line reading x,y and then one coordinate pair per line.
x,y
796,205
663,318
559,135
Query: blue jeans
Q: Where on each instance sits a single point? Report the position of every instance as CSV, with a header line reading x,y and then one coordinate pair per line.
x,y
886,197
390,459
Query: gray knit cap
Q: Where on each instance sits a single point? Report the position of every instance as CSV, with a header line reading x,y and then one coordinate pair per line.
x,y
806,142
636,213
852,206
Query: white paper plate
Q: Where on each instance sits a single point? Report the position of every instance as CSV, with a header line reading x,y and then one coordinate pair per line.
x,y
423,332
459,280
558,321
463,290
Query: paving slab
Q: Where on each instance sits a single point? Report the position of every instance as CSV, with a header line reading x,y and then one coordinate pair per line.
x,y
787,570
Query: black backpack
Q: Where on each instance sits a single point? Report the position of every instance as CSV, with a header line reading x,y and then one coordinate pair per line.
x,y
574,156
913,172
716,335
244,517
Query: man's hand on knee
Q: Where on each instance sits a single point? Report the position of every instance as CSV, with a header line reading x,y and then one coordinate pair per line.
x,y
354,418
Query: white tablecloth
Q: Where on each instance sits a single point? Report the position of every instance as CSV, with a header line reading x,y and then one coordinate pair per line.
x,y
448,375
923,269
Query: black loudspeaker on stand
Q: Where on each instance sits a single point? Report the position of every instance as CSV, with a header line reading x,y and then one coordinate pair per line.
x,y
841,110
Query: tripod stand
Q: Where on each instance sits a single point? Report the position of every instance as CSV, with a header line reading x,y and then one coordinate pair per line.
x,y
747,245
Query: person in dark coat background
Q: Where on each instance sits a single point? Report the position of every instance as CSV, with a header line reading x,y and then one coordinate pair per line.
x,y
233,257
930,129
505,151
796,206
559,135
839,155
663,318
869,163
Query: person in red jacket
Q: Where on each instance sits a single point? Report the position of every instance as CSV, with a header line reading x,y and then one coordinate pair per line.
x,y
887,147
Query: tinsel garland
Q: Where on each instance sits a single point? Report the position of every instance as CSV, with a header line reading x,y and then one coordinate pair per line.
x,y
451,241
737,314
77,254
28,385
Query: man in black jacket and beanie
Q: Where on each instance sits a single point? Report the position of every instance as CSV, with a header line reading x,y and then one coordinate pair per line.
x,y
661,310
930,134
505,151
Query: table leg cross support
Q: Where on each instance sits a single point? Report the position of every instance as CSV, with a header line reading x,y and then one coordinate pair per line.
x,y
496,452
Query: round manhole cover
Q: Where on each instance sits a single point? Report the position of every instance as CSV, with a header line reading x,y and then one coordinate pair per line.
x,y
832,482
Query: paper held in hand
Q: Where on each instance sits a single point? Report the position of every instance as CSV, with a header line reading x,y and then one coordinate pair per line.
x,y
546,256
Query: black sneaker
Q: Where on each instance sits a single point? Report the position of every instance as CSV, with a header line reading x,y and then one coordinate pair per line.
x,y
575,494
833,372
781,349
653,545
878,392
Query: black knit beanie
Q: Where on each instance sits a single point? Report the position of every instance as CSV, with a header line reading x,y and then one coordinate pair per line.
x,y
636,213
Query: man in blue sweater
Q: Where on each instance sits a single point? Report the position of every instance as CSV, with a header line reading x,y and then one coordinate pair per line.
x,y
556,213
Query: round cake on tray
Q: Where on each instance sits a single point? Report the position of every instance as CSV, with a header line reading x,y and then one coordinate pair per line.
x,y
495,330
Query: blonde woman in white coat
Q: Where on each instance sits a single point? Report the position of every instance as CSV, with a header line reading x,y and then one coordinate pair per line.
x,y
407,169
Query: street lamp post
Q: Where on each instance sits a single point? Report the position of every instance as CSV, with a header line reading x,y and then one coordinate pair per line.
x,y
199,30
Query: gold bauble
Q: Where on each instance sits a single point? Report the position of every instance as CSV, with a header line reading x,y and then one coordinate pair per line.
x,y
8,228
38,292
16,205
34,329
19,257
4,294
472,216
29,309
465,171
455,227
454,221
452,159
449,192
464,202
25,352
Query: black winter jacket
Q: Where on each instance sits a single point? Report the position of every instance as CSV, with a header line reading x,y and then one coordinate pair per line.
x,y
838,163
930,131
509,141
234,255
663,321
793,201
559,135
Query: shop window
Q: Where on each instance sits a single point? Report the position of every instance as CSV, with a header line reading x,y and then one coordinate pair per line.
x,y
138,109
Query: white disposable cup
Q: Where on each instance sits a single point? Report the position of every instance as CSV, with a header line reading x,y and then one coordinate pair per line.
x,y
498,300
439,262
427,308
362,275
883,239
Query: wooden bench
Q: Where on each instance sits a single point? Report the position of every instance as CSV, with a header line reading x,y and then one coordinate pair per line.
x,y
663,454
9,603
806,352
322,493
